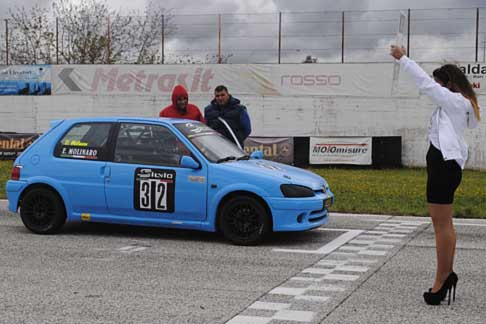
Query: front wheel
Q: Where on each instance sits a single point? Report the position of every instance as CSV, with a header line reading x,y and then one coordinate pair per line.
x,y
244,221
42,211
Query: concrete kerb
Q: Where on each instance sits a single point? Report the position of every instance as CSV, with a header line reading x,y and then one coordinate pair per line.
x,y
457,221
3,204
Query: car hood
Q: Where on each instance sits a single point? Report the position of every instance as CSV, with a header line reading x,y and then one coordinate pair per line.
x,y
285,173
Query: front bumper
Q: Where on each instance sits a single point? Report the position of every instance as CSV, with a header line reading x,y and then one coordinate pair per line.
x,y
300,214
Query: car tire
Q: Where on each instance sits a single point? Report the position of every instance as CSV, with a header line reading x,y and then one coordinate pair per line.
x,y
42,211
243,220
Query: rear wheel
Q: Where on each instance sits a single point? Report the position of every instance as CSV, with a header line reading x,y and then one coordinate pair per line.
x,y
244,221
42,211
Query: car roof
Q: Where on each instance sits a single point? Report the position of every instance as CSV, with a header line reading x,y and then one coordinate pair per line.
x,y
134,119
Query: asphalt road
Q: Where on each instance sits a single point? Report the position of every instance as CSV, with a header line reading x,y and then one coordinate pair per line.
x,y
358,269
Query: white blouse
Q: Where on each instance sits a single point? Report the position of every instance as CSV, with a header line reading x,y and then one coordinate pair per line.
x,y
450,119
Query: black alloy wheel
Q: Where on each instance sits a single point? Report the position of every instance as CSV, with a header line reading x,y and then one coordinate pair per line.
x,y
244,221
42,211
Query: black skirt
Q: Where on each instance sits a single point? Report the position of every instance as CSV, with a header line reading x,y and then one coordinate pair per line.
x,y
443,177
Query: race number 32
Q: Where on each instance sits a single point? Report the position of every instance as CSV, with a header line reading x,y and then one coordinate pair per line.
x,y
154,190
146,189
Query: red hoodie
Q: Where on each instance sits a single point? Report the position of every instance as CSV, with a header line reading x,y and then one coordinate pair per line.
x,y
192,111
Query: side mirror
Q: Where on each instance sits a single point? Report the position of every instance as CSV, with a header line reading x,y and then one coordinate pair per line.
x,y
257,155
189,163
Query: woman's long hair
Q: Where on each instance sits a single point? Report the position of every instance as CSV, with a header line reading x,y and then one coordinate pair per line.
x,y
453,78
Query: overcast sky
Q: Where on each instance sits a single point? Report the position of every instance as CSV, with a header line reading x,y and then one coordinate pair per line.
x,y
253,6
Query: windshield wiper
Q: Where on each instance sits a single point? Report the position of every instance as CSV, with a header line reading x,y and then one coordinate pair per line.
x,y
225,159
244,157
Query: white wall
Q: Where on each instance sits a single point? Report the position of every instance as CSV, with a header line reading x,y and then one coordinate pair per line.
x,y
300,115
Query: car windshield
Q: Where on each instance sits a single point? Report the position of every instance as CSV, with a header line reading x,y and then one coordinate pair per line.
x,y
214,146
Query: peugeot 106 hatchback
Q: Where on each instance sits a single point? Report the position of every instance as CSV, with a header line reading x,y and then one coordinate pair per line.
x,y
160,172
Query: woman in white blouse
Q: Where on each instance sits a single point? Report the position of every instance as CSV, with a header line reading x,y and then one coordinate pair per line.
x,y
457,110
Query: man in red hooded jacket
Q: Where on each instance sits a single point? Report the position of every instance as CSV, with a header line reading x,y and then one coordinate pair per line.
x,y
181,108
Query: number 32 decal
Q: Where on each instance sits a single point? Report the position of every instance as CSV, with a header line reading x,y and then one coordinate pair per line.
x,y
154,190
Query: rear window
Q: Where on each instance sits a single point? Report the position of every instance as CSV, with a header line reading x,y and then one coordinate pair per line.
x,y
85,141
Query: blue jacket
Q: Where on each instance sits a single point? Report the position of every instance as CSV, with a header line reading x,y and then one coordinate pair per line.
x,y
234,113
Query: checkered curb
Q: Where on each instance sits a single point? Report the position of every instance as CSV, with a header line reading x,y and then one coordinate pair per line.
x,y
301,298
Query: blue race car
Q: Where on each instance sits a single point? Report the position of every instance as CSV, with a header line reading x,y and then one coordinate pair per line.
x,y
160,172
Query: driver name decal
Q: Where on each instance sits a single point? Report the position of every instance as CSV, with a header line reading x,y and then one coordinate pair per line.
x,y
154,190
79,153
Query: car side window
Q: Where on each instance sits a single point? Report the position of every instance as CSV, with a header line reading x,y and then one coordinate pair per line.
x,y
85,141
148,144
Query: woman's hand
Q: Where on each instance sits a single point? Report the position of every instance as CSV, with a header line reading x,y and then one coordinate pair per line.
x,y
397,52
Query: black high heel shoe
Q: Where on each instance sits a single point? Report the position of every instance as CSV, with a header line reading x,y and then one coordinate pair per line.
x,y
449,286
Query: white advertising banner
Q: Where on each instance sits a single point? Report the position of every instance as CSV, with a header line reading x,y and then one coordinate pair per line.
x,y
377,80
340,150
476,74
365,80
130,80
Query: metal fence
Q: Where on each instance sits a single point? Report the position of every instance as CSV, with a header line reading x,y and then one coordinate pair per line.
x,y
284,37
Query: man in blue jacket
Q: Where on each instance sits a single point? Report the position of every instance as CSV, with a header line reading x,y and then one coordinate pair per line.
x,y
227,116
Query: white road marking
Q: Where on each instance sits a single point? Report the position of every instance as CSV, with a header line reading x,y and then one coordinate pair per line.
x,y
294,315
125,248
305,279
388,240
313,298
132,248
326,288
389,231
407,222
269,306
461,222
363,242
352,248
249,320
331,246
368,237
394,235
340,277
381,246
332,262
140,248
351,268
404,231
372,252
363,261
317,270
287,291
467,224
389,224
343,254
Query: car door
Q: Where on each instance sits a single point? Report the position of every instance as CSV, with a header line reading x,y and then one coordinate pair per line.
x,y
80,164
146,180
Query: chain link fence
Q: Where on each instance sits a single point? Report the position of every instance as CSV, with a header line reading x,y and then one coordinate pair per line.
x,y
430,35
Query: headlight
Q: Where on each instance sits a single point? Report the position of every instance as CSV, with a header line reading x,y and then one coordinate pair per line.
x,y
296,191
